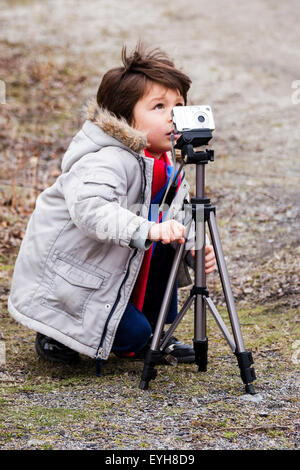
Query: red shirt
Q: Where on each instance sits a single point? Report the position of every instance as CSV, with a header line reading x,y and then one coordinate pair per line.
x,y
158,182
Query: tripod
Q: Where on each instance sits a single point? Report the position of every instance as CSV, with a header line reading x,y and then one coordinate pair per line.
x,y
201,211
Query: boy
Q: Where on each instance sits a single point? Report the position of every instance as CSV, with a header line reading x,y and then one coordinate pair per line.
x,y
88,277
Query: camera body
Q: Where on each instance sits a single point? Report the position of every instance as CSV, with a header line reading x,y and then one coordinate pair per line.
x,y
187,118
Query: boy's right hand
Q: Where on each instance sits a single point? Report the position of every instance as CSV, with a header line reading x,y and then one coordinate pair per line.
x,y
167,232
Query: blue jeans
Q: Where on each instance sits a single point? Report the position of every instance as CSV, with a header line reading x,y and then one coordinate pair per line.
x,y
136,327
134,330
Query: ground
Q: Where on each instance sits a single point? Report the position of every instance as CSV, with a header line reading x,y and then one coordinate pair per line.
x,y
243,60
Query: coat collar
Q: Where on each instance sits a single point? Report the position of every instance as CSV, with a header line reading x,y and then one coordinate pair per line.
x,y
115,127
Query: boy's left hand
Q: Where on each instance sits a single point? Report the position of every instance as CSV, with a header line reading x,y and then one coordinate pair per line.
x,y
210,259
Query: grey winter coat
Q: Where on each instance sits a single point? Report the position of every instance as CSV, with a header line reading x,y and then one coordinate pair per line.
x,y
85,241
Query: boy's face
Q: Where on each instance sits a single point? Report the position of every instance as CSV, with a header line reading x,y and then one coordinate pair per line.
x,y
152,114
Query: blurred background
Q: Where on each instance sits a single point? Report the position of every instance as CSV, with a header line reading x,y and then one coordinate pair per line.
x,y
243,59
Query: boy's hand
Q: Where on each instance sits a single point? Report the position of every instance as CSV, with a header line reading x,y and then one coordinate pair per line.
x,y
210,259
167,232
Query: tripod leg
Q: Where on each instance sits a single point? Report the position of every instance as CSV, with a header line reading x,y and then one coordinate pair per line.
x,y
221,324
177,320
244,358
200,337
154,353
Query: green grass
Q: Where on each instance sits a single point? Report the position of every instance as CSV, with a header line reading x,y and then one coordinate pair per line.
x,y
269,332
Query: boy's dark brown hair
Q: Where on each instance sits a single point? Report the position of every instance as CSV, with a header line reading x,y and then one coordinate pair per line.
x,y
122,87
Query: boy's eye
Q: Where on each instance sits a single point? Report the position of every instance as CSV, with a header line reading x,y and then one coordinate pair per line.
x,y
158,106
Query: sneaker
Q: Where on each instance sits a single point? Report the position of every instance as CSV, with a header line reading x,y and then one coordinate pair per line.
x,y
53,351
180,351
183,353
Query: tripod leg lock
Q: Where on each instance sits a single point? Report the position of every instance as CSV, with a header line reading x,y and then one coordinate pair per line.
x,y
149,372
208,208
245,360
199,290
201,348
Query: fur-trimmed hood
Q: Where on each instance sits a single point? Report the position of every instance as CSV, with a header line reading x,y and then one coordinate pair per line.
x,y
117,128
102,129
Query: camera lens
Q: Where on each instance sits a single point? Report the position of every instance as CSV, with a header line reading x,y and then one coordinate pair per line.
x,y
201,118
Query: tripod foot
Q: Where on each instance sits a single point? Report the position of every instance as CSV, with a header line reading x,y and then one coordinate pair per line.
x,y
144,385
149,372
201,348
245,362
250,389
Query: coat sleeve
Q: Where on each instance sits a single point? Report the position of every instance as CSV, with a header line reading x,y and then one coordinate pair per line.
x,y
95,191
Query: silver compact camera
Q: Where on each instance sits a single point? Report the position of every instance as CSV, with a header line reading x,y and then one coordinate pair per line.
x,y
187,118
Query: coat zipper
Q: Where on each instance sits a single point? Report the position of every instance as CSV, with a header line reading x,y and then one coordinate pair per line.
x,y
145,182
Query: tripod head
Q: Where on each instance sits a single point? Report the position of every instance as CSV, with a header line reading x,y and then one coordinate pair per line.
x,y
195,138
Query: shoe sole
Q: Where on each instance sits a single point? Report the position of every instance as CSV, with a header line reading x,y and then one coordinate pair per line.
x,y
186,360
180,360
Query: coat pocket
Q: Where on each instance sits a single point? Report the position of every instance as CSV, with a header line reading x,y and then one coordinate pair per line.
x,y
71,288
